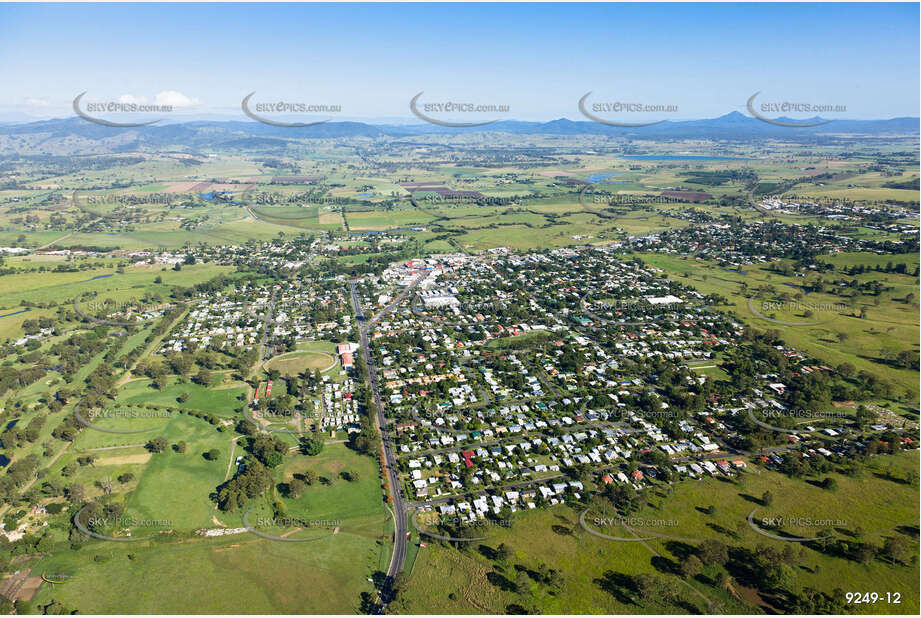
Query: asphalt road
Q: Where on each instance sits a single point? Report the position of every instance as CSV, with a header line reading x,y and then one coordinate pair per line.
x,y
399,506
267,325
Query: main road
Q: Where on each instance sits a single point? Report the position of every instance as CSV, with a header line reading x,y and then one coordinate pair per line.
x,y
400,528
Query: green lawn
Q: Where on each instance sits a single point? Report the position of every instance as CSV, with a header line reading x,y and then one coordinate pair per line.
x,y
222,400
238,574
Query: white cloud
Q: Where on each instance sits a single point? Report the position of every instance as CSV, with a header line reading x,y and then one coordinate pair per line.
x,y
176,99
36,102
131,99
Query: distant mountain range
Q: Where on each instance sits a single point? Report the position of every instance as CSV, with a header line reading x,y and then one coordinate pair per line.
x,y
76,134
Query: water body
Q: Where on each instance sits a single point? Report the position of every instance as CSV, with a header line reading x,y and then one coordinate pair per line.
x,y
365,194
218,195
797,287
96,277
4,460
683,158
598,178
15,313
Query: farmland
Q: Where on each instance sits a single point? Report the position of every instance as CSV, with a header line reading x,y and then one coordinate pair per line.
x,y
255,365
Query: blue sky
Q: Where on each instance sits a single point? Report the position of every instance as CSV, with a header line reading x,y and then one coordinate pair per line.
x,y
538,59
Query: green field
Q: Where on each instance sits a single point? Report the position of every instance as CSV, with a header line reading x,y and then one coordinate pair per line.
x,y
890,326
295,363
473,582
242,572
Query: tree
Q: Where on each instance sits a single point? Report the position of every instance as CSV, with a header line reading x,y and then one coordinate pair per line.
x,y
555,579
767,498
157,445
296,487
311,446
272,459
846,369
503,553
653,589
896,549
713,552
204,377
249,484
691,566
399,584
127,477
76,493
522,582
180,447
211,455
866,553
246,427
829,483
864,416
